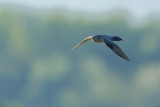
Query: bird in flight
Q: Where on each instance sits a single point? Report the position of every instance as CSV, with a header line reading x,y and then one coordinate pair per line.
x,y
108,40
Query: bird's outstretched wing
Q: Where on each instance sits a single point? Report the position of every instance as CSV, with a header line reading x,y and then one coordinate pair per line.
x,y
85,40
116,49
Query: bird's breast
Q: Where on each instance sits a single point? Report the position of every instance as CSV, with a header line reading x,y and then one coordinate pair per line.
x,y
97,40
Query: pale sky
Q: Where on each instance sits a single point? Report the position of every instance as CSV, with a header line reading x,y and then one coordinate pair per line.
x,y
138,7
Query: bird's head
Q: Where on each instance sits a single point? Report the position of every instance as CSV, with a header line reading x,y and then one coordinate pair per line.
x,y
116,38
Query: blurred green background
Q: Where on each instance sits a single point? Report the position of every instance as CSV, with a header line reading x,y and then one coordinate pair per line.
x,y
37,71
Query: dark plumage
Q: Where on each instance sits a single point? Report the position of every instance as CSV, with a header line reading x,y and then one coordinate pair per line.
x,y
108,40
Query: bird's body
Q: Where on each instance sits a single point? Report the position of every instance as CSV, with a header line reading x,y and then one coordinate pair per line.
x,y
98,38
108,40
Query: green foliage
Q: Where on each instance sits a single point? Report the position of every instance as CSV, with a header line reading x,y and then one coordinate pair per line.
x,y
37,71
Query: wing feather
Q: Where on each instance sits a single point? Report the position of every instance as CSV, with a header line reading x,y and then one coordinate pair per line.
x,y
117,50
85,40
